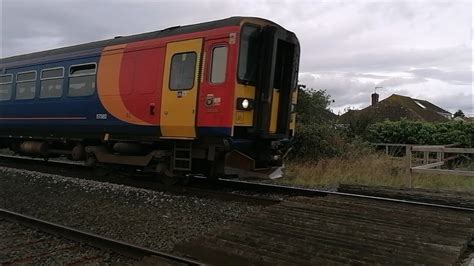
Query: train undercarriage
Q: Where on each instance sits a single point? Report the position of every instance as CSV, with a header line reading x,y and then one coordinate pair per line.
x,y
168,159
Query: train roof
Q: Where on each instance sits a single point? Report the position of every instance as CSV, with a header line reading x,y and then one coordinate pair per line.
x,y
176,30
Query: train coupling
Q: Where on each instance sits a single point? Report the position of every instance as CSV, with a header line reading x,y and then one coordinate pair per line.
x,y
238,163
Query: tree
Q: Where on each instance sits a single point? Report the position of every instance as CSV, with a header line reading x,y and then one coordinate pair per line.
x,y
312,106
315,132
459,113
318,134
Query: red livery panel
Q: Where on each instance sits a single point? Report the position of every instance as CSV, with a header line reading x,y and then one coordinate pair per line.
x,y
216,101
140,82
141,72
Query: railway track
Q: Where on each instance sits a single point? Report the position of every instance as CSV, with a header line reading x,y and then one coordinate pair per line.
x,y
456,198
340,230
68,245
354,225
409,199
230,189
23,245
197,187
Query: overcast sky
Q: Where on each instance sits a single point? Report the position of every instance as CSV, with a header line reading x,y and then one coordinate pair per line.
x,y
420,49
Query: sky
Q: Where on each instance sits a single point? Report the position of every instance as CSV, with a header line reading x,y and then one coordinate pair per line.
x,y
421,49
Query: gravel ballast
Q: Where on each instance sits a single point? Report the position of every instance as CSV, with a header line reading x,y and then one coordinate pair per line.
x,y
153,219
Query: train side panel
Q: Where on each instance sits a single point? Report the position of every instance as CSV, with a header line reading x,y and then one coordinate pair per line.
x,y
195,99
140,79
133,83
49,116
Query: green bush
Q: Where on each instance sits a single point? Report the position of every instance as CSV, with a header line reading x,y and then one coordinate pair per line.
x,y
423,133
314,141
317,135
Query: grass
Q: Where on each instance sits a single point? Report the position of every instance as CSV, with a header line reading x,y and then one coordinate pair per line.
x,y
371,170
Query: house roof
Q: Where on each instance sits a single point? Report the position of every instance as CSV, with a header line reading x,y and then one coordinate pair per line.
x,y
397,107
469,119
328,115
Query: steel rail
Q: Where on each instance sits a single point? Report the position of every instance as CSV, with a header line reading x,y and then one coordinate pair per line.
x,y
273,188
116,246
42,160
155,186
319,192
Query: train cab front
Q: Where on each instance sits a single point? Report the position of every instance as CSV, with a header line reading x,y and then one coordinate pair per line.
x,y
265,99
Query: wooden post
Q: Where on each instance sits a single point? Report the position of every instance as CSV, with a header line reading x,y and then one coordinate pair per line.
x,y
439,158
429,166
386,150
408,165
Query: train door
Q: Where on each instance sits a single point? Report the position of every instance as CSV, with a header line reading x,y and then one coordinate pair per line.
x,y
282,87
276,80
180,89
215,103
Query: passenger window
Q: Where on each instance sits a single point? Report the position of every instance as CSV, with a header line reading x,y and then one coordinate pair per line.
x,y
52,83
183,69
82,80
26,76
25,85
218,64
6,87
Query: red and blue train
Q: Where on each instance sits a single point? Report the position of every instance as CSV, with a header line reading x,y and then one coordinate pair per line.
x,y
213,98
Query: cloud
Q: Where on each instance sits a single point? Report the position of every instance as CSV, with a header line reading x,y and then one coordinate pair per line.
x,y
384,59
69,22
397,81
345,90
462,77
455,101
350,90
415,48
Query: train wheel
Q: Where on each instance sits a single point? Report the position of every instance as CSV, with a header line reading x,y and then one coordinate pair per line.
x,y
165,175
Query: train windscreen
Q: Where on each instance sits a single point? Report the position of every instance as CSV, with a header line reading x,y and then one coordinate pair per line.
x,y
248,54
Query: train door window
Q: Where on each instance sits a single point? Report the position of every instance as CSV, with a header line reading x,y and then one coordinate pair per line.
x,y
6,87
183,69
218,64
82,80
25,85
52,82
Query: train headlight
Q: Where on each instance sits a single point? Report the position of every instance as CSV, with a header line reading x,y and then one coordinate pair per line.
x,y
244,104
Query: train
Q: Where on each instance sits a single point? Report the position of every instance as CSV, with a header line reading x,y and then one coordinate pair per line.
x,y
213,99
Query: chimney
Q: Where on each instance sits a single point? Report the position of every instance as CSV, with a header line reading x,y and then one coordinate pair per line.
x,y
375,98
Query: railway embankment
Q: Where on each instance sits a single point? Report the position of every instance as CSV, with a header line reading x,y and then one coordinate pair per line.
x,y
152,219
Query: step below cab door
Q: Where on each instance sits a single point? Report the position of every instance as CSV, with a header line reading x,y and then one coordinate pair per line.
x,y
180,89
